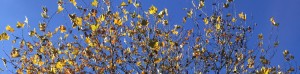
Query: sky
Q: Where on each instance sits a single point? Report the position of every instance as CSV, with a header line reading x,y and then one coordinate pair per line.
x,y
286,12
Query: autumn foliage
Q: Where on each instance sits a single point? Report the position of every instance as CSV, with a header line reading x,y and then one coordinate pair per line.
x,y
106,37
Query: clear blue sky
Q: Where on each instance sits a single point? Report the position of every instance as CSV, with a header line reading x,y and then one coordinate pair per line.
x,y
286,12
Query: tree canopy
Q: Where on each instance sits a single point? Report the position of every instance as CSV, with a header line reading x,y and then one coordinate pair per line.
x,y
105,36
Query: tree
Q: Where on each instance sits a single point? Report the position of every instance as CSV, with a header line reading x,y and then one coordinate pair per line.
x,y
103,38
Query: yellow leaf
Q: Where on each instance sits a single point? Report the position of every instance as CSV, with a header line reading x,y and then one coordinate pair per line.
x,y
233,20
243,16
32,32
62,28
152,10
20,25
70,62
66,36
205,20
201,4
118,22
265,70
40,63
35,59
94,12
273,21
102,17
250,63
15,53
129,1
42,27
136,4
20,71
49,34
119,61
95,3
73,2
219,19
8,28
260,36
190,13
59,8
4,36
44,13
75,51
218,27
175,32
29,45
157,60
60,65
78,21
123,4
94,27
138,63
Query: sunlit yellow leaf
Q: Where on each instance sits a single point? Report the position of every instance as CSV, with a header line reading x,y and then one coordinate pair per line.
x,y
78,21
250,63
20,71
116,15
20,25
285,53
59,8
264,70
8,28
157,60
44,13
40,63
15,53
190,13
29,45
62,28
94,27
205,20
233,20
118,22
243,16
66,36
138,63
22,43
136,4
119,61
273,22
152,10
201,4
35,59
129,1
102,17
60,65
32,32
218,26
42,27
95,3
75,51
260,36
73,2
49,34
123,4
4,36
175,32
226,5
89,41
